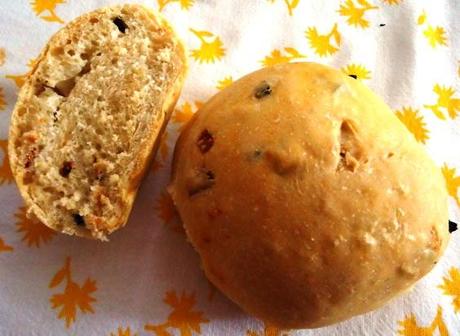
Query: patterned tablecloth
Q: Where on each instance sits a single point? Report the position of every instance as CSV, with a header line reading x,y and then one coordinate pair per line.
x,y
147,279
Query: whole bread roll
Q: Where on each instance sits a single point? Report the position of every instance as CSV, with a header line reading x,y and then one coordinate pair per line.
x,y
89,116
307,199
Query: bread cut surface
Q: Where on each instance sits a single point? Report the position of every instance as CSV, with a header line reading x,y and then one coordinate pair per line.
x,y
88,117
307,199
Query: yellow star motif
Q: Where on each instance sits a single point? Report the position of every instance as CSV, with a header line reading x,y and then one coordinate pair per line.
x,y
446,102
291,5
322,44
184,4
356,70
436,36
452,182
355,12
422,18
414,123
211,48
279,56
224,82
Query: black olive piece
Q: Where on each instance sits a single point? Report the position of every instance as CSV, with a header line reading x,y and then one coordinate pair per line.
x,y
264,89
257,153
205,141
122,26
66,168
452,227
382,25
353,76
210,175
78,219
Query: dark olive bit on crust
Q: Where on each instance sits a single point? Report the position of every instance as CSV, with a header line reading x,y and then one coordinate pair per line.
x,y
78,219
453,226
205,141
122,26
66,168
264,89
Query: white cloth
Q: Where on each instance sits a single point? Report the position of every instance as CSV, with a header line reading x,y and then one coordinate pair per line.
x,y
130,276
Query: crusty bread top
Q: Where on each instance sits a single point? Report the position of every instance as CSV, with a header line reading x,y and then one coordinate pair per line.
x,y
307,199
87,117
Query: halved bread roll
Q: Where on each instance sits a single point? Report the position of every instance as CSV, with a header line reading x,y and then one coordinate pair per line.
x,y
89,116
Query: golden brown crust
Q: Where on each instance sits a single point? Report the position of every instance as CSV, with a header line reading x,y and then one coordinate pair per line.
x,y
308,201
154,79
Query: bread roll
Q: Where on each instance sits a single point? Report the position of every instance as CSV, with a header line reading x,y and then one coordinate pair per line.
x,y
89,115
307,199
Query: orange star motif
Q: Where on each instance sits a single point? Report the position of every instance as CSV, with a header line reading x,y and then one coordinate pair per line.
x,y
6,176
269,330
185,113
2,56
20,79
163,152
165,207
451,287
183,318
74,295
2,100
4,247
121,332
34,231
167,211
40,6
409,326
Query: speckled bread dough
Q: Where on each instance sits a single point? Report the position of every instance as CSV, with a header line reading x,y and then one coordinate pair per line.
x,y
89,116
308,201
